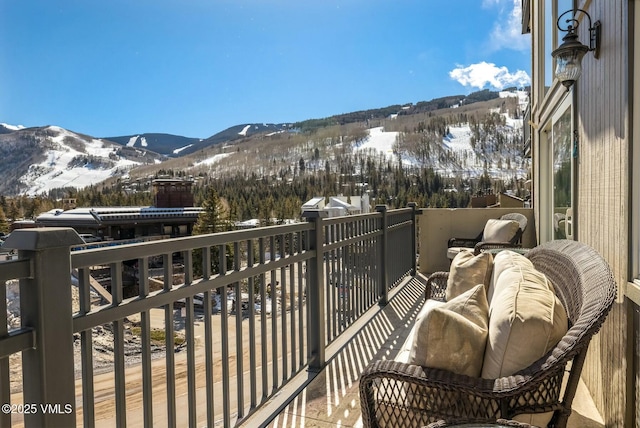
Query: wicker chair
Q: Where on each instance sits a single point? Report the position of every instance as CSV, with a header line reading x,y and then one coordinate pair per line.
x,y
478,245
398,394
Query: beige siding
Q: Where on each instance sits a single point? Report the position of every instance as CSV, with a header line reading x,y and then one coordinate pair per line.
x,y
602,204
602,195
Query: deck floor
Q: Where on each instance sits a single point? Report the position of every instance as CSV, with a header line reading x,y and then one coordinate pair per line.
x,y
330,398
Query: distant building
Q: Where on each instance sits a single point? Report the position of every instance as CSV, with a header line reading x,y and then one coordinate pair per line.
x,y
340,205
248,224
124,222
172,215
172,193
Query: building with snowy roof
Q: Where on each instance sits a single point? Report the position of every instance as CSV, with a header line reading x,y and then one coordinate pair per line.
x,y
171,216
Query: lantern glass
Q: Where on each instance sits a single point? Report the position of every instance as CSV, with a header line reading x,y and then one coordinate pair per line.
x,y
568,65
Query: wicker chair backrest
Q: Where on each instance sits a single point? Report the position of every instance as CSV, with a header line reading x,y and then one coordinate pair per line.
x,y
585,285
520,218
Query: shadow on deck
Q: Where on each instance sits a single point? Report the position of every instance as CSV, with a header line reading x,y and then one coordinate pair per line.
x,y
330,398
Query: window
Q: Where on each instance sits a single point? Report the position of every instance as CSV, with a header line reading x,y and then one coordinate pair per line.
x,y
552,36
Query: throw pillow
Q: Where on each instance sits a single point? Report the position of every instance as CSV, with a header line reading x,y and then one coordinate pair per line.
x,y
526,320
501,262
405,350
500,230
467,271
452,336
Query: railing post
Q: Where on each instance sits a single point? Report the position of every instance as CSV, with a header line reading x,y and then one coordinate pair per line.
x,y
382,256
315,290
414,230
45,305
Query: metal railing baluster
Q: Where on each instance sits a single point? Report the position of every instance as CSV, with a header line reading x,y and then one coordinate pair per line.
x,y
274,317
118,347
145,334
224,332
167,264
86,351
5,380
208,338
239,316
190,340
263,319
252,326
283,304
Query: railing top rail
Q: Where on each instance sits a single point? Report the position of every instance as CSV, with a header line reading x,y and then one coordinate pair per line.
x,y
400,211
133,251
350,218
15,269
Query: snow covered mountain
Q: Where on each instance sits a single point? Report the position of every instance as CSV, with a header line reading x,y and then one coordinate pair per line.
x,y
176,145
36,160
459,140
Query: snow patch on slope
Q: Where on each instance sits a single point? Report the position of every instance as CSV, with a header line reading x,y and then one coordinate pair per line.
x,y
244,130
213,159
62,169
176,151
12,127
132,141
380,141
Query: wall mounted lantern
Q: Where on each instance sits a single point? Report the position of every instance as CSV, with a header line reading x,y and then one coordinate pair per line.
x,y
569,54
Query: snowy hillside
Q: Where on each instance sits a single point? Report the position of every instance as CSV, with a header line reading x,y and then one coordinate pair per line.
x,y
68,165
456,154
379,141
40,159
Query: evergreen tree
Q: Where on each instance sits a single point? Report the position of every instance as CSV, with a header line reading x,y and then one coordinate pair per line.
x,y
4,224
212,220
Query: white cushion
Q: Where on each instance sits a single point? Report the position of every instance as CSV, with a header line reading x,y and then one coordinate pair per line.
x,y
501,262
500,230
452,252
405,350
467,271
536,325
452,336
526,320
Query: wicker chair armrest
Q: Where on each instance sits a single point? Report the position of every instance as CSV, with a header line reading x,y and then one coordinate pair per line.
x,y
484,246
391,389
462,242
436,286
457,422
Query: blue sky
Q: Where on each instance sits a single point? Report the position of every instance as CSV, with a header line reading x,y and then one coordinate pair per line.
x,y
197,67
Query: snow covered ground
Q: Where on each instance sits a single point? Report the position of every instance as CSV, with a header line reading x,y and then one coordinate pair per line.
x,y
213,159
12,127
380,140
56,170
457,142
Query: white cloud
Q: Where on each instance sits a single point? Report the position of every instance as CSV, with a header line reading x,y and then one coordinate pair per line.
x,y
482,74
490,3
507,31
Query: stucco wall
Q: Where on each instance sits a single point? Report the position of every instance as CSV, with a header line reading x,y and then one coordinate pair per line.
x,y
438,225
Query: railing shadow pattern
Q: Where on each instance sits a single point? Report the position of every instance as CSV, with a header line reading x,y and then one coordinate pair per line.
x,y
233,317
333,395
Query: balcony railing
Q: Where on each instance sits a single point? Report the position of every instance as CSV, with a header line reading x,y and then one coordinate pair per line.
x,y
199,330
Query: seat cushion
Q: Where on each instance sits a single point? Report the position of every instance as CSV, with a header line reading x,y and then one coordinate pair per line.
x,y
452,252
467,271
501,262
500,230
526,320
452,336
